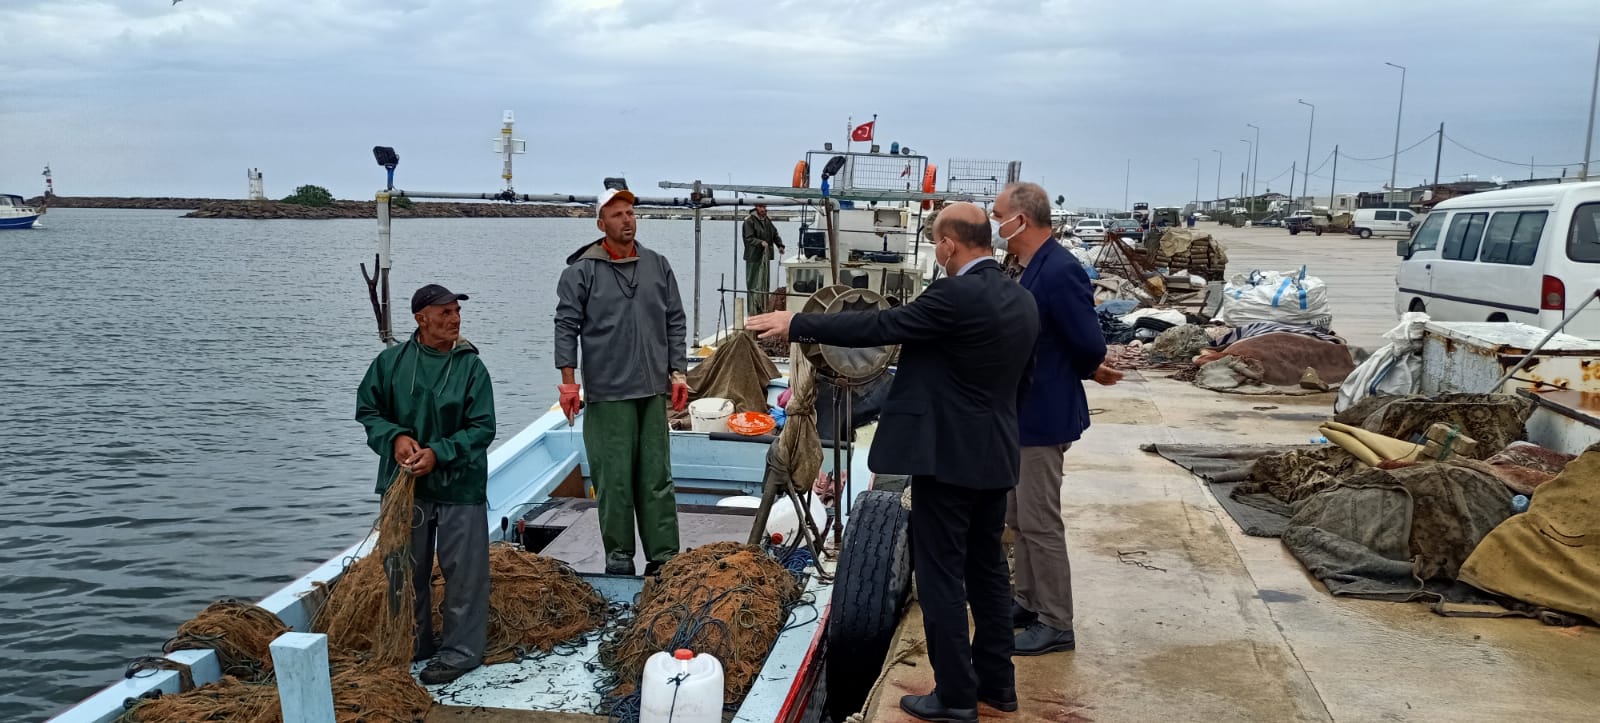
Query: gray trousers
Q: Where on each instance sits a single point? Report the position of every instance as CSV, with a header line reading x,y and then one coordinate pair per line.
x,y
1033,512
461,533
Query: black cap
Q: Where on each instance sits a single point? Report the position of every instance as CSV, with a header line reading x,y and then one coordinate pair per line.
x,y
431,295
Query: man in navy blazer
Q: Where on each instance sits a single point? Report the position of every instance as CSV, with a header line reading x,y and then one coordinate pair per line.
x,y
950,422
1053,414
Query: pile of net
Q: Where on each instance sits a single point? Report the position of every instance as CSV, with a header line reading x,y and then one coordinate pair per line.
x,y
726,599
536,604
361,692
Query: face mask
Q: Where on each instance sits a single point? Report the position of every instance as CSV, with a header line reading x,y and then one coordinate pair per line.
x,y
1001,241
943,263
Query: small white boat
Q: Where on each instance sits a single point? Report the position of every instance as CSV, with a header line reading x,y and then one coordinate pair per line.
x,y
15,214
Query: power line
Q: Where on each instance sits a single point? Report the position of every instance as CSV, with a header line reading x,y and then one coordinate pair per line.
x,y
1324,163
1403,151
1458,144
1281,175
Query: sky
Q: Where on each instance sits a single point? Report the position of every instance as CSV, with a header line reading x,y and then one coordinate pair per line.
x,y
151,98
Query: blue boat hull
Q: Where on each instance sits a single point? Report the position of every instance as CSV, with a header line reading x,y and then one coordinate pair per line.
x,y
20,222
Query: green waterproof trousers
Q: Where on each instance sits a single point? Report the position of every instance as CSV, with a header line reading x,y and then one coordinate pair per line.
x,y
758,280
631,465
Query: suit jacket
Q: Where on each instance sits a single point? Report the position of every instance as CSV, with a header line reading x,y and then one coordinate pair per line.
x,y
1071,346
967,343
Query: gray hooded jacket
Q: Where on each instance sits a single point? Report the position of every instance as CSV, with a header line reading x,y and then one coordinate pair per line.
x,y
629,316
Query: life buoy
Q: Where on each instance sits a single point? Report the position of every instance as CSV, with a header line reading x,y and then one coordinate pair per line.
x,y
930,183
802,175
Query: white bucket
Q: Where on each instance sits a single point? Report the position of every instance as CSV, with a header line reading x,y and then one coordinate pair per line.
x,y
710,414
681,687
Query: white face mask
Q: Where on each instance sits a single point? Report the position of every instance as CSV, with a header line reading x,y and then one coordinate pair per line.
x,y
1001,241
943,263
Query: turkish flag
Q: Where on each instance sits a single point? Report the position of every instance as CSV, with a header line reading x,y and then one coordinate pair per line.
x,y
863,132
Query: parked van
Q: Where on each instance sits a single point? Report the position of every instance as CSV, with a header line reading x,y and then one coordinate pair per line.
x,y
1524,254
1369,221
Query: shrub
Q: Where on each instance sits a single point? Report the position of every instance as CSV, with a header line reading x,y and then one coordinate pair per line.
x,y
310,196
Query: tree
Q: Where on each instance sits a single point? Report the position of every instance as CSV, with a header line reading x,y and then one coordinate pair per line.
x,y
400,201
310,196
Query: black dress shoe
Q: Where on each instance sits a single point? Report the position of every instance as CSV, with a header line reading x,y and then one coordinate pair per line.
x,y
1022,617
615,566
1040,638
437,673
930,708
1001,699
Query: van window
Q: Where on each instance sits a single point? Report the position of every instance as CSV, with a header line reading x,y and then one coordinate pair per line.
x,y
1427,238
1405,215
1513,238
1461,241
1384,216
1583,241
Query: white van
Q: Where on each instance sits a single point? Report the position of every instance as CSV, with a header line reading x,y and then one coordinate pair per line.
x,y
1523,254
1368,221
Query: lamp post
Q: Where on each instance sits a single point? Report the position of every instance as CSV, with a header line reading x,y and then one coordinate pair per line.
x,y
1395,162
1255,165
1250,150
1127,179
1219,172
1306,187
1196,183
1588,137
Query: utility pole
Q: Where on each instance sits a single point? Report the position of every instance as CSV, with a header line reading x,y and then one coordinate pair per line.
x,y
1292,169
1196,183
1395,163
1127,180
1255,165
1588,138
1332,200
1305,188
1250,151
1438,156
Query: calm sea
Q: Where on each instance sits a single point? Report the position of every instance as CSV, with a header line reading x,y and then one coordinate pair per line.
x,y
177,410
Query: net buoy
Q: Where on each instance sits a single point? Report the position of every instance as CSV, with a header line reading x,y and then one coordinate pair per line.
x,y
930,179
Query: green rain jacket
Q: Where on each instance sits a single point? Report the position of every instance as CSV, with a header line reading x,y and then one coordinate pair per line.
x,y
444,401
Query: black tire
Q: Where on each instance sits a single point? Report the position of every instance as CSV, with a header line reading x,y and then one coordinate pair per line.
x,y
1498,318
869,590
1417,305
1319,232
1294,232
1365,233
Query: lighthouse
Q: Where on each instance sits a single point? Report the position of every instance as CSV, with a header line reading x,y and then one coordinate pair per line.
x,y
258,190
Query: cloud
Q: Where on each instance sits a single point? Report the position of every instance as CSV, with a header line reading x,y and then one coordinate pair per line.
x,y
141,97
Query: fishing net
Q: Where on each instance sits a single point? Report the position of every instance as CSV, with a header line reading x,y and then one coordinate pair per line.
x,y
536,604
241,634
361,692
726,599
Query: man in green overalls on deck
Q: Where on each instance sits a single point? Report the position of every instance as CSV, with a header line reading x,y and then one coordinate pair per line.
x,y
760,238
621,300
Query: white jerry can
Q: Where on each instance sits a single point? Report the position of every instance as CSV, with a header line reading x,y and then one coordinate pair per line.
x,y
681,687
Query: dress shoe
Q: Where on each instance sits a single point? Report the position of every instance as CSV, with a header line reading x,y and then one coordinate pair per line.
x,y
651,569
619,566
1040,638
930,708
437,673
1022,617
1001,699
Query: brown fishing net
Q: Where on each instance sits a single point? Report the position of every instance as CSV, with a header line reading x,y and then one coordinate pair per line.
x,y
536,603
726,599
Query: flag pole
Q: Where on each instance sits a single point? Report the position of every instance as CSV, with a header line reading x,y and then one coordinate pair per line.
x,y
849,130
874,128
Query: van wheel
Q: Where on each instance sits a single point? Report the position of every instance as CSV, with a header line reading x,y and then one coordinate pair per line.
x,y
1294,232
1365,233
1319,232
1417,305
1498,318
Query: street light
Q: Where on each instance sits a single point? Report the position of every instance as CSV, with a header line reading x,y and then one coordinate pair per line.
x,y
1249,152
1255,165
1306,187
1219,172
1395,163
1127,179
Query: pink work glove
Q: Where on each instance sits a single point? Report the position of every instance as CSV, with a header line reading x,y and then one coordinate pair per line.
x,y
569,401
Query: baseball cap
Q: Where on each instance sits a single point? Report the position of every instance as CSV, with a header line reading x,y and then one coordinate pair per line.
x,y
613,194
431,295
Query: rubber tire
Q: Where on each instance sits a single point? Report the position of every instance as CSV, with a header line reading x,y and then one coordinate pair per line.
x,y
1498,318
1294,232
1417,305
869,590
1319,232
1365,233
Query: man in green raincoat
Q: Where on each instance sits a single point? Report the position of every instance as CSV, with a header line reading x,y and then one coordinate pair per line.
x,y
621,301
761,244
428,405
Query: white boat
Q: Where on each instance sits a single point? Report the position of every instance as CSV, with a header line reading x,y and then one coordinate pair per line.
x,y
14,213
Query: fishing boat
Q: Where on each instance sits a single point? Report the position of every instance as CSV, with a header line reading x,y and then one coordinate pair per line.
x,y
538,486
16,214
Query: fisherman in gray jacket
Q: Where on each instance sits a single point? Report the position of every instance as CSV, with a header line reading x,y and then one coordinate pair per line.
x,y
621,301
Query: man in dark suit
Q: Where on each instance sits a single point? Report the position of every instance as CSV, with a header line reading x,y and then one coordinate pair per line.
x,y
950,422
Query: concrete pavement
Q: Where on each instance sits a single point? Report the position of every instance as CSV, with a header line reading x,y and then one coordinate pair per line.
x,y
1182,617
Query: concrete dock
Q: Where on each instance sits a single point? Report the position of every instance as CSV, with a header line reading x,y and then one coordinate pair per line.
x,y
1180,616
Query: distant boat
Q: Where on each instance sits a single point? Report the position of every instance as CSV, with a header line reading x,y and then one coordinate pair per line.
x,y
15,214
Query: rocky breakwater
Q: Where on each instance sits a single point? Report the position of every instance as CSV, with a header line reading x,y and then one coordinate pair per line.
x,y
166,203
265,210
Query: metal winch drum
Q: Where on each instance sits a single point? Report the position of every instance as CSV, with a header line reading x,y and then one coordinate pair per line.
x,y
839,362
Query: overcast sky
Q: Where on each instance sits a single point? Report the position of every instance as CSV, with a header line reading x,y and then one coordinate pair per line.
x,y
143,97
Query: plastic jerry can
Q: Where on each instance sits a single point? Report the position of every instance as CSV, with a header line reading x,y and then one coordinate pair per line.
x,y
681,687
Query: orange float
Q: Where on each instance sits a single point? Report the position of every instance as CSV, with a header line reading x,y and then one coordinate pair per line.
x,y
802,175
930,183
